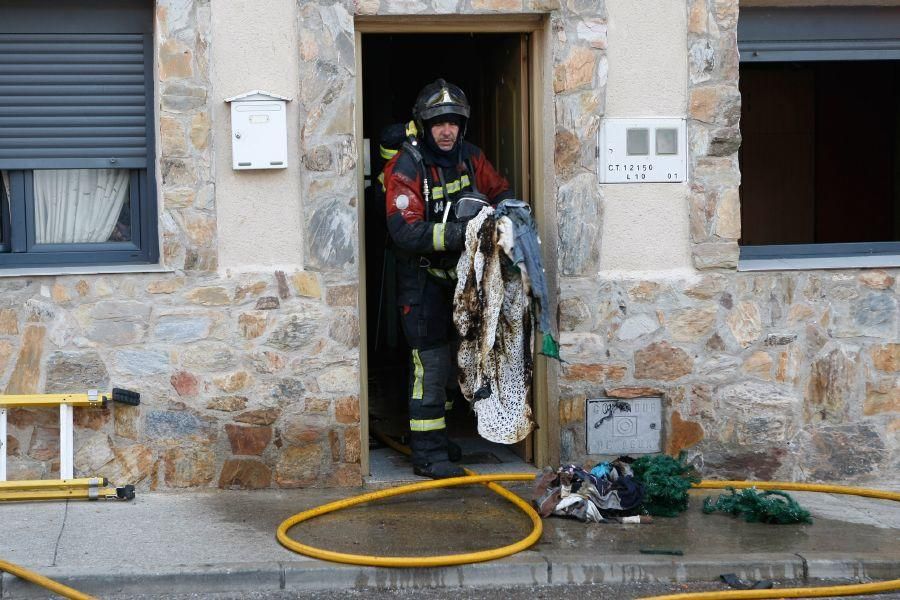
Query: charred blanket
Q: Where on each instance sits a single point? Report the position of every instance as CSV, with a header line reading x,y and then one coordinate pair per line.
x,y
492,314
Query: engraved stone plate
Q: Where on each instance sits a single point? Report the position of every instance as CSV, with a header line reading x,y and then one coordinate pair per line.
x,y
624,426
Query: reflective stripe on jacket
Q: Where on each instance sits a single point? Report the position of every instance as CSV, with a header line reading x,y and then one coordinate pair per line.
x,y
412,226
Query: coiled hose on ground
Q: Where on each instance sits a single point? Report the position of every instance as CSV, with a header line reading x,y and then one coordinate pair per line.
x,y
537,528
525,543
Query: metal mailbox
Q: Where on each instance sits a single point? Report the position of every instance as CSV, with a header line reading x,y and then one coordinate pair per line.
x,y
258,130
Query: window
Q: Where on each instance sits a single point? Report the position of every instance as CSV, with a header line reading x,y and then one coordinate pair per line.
x,y
76,134
820,127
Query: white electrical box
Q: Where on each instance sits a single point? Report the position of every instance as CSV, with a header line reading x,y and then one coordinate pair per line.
x,y
258,130
643,150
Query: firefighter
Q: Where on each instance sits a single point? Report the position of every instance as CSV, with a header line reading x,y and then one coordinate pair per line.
x,y
428,182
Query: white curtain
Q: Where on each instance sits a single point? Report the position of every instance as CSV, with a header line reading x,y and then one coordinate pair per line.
x,y
78,205
4,175
4,183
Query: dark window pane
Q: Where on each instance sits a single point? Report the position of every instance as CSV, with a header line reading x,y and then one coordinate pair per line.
x,y
122,231
820,156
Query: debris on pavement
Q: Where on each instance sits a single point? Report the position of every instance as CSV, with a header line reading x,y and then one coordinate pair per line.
x,y
573,492
666,482
772,506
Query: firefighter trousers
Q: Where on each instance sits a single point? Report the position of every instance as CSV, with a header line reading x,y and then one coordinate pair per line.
x,y
427,327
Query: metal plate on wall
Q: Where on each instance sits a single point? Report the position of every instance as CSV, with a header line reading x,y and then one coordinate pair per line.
x,y
624,426
643,150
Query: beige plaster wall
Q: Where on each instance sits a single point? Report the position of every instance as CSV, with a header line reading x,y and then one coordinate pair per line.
x,y
645,228
647,52
648,76
254,47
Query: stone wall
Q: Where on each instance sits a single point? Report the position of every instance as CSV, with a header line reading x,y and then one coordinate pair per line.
x,y
766,376
185,177
788,375
714,114
247,381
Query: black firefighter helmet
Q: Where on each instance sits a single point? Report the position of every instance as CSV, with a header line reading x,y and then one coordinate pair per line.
x,y
441,98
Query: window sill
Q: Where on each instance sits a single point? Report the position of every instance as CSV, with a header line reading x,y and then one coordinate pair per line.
x,y
807,263
84,270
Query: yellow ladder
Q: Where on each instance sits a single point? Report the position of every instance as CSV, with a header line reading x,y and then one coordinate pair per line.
x,y
89,488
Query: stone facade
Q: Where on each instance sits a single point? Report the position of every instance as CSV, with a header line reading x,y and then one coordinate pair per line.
x,y
241,384
247,381
767,376
783,375
714,112
251,380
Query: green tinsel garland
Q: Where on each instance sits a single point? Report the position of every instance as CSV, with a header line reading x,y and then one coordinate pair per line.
x,y
759,507
666,483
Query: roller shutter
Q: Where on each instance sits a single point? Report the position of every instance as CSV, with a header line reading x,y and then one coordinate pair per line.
x,y
819,34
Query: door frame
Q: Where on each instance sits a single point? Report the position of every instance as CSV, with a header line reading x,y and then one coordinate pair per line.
x,y
542,195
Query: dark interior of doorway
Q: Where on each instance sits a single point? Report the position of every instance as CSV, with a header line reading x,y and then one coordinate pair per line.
x,y
489,68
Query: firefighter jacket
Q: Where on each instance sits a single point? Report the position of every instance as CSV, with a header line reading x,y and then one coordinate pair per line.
x,y
418,193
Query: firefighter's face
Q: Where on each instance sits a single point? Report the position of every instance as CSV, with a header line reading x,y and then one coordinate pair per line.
x,y
445,134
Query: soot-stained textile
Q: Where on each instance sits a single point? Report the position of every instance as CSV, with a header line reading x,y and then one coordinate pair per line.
x,y
492,314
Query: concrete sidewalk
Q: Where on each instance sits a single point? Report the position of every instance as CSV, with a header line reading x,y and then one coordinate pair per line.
x,y
215,541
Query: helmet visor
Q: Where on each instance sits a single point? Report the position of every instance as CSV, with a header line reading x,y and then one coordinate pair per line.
x,y
445,101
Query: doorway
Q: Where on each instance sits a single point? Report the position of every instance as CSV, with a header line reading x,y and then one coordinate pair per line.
x,y
493,70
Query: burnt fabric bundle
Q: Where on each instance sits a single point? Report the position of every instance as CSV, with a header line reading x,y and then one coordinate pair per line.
x,y
573,492
759,507
666,483
492,314
500,276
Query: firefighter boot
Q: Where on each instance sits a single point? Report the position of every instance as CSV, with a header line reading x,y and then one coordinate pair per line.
x,y
439,470
454,452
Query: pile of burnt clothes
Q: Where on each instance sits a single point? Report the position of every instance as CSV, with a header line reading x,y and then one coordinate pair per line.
x,y
608,492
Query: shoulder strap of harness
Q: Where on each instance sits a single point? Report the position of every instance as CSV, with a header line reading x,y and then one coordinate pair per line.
x,y
471,167
420,163
413,151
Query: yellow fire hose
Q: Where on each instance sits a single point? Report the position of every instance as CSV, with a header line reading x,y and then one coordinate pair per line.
x,y
49,584
803,592
527,542
417,561
484,555
824,488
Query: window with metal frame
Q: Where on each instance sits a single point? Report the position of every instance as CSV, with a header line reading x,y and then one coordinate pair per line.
x,y
820,127
76,133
